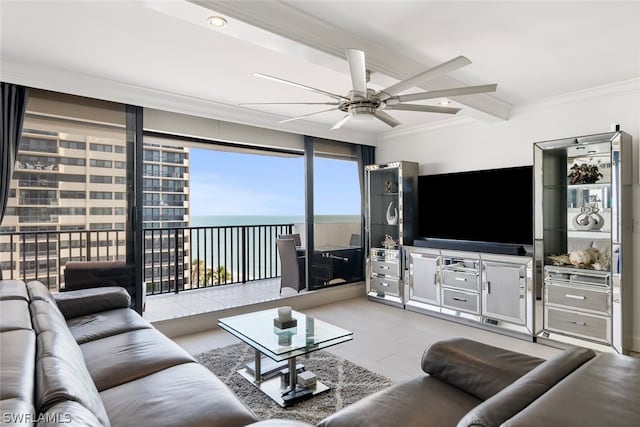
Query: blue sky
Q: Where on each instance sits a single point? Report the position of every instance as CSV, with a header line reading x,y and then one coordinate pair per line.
x,y
228,183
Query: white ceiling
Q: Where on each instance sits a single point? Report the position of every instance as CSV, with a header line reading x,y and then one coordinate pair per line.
x,y
142,52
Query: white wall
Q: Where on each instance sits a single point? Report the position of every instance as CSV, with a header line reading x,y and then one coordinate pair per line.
x,y
466,144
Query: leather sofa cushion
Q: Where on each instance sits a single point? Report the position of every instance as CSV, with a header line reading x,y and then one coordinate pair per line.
x,y
16,412
186,395
14,314
80,303
479,369
18,355
69,413
424,402
105,324
61,375
603,392
38,291
121,358
45,316
13,289
511,400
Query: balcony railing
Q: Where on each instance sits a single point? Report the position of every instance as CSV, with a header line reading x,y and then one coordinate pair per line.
x,y
175,259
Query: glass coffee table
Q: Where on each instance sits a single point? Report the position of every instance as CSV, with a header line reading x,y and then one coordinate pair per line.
x,y
276,351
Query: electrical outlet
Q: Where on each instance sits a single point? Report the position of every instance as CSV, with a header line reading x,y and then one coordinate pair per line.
x,y
636,225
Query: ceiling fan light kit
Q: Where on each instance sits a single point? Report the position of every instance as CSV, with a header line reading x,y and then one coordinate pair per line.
x,y
364,103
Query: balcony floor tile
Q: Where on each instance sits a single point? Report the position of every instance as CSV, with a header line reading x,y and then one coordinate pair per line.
x,y
167,306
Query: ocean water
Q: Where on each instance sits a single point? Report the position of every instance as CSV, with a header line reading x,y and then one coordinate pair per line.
x,y
227,220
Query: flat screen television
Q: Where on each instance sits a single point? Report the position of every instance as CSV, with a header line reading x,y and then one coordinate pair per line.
x,y
492,205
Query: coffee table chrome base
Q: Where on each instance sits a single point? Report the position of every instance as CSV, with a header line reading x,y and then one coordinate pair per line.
x,y
272,387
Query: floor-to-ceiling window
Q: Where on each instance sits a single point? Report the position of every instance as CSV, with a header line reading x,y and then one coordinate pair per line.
x,y
228,204
69,191
337,254
209,210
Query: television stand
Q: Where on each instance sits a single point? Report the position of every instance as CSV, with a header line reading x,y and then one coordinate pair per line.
x,y
492,291
471,246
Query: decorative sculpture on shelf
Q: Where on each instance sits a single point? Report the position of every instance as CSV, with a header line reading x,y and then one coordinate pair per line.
x,y
390,187
588,219
388,242
590,258
584,174
392,219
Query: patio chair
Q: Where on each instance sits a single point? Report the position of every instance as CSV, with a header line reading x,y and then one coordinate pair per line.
x,y
293,266
295,237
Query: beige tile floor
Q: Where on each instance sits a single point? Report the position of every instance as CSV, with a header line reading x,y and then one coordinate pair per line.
x,y
387,340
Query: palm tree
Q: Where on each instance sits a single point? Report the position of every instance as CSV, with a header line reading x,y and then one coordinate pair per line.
x,y
221,275
200,275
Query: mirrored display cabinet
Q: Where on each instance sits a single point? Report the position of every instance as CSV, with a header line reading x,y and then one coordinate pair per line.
x,y
391,223
583,227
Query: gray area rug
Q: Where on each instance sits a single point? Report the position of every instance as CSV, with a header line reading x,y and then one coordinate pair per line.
x,y
349,383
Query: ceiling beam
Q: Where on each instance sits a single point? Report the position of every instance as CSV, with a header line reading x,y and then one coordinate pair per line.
x,y
293,28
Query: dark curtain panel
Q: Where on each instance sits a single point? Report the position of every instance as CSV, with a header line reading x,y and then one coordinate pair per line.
x,y
13,101
366,156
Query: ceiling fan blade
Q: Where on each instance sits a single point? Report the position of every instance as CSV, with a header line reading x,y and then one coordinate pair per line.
x,y
425,76
312,89
423,108
358,71
342,121
307,115
289,103
447,93
381,115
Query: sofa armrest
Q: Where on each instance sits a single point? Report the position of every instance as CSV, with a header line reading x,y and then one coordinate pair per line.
x,y
479,369
514,398
87,301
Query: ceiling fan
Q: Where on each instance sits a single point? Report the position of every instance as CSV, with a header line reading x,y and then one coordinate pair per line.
x,y
364,102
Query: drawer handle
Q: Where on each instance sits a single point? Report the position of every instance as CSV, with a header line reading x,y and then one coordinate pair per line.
x,y
577,323
575,296
459,299
386,285
383,267
460,279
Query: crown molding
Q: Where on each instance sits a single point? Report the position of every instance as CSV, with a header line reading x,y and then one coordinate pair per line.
x,y
594,94
74,83
428,127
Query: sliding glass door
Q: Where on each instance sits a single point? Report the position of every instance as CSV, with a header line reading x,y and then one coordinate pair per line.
x,y
336,254
69,198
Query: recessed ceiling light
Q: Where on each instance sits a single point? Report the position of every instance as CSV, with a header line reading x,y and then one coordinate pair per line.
x,y
217,21
444,102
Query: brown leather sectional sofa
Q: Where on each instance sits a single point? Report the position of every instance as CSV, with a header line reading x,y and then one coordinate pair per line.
x,y
83,358
470,384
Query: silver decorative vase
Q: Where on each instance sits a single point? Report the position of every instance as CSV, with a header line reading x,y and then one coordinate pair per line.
x,y
392,219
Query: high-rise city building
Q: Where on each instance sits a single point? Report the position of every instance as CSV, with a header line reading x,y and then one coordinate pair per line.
x,y
165,213
68,197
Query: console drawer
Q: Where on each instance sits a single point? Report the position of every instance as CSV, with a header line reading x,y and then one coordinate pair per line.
x,y
385,285
579,324
386,268
461,280
579,298
461,300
